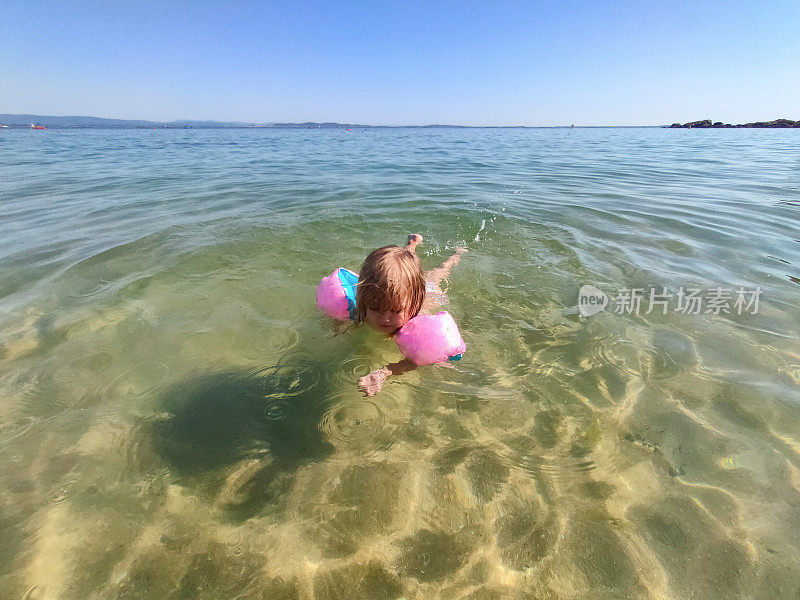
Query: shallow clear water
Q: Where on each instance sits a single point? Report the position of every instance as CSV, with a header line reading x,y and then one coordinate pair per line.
x,y
178,421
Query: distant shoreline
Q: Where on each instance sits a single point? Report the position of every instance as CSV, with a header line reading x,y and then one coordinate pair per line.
x,y
332,127
25,121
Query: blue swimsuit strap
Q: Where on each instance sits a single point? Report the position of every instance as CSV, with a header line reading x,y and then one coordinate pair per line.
x,y
349,282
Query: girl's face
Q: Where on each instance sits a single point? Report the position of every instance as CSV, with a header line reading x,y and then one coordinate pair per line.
x,y
386,321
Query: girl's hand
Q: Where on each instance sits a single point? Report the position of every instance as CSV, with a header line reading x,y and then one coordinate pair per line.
x,y
371,384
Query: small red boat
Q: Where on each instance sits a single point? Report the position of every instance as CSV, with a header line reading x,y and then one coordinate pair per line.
x,y
37,126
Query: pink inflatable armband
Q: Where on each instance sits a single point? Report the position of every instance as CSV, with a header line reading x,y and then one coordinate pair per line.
x,y
336,294
430,339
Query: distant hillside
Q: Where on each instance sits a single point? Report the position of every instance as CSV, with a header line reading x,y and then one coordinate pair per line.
x,y
57,122
100,123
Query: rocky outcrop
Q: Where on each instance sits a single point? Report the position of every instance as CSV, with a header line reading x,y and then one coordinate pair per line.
x,y
707,124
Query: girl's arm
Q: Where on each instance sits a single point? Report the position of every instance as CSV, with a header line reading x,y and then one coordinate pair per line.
x,y
371,384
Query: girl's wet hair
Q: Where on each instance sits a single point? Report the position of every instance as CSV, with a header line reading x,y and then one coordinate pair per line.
x,y
391,280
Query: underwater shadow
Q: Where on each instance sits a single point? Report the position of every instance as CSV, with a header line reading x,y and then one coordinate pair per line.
x,y
220,419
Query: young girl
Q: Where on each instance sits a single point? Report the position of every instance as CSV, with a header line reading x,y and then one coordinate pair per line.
x,y
392,289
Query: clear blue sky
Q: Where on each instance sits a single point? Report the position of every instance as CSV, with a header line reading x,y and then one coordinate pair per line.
x,y
496,63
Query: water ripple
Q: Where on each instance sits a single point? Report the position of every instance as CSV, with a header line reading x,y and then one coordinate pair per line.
x,y
354,424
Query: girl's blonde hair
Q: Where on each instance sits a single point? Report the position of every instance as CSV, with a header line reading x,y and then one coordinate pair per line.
x,y
390,279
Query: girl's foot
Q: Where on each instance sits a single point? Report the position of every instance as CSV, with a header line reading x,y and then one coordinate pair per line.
x,y
413,241
453,260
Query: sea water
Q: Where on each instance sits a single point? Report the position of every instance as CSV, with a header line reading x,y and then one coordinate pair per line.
x,y
177,420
